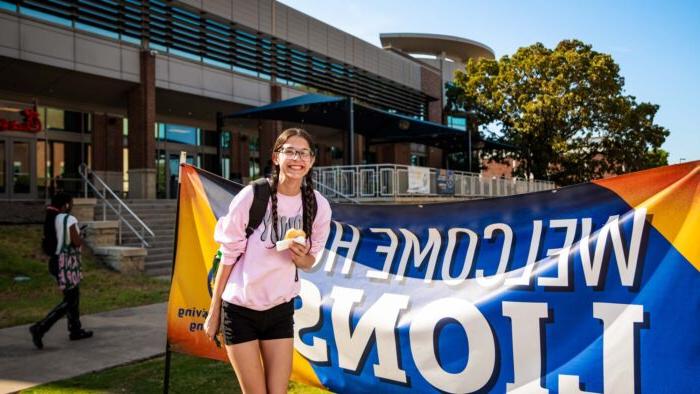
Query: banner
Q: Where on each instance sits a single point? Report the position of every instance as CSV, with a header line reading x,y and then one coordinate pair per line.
x,y
418,180
445,182
589,288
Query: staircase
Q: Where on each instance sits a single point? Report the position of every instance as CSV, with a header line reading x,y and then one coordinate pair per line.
x,y
159,216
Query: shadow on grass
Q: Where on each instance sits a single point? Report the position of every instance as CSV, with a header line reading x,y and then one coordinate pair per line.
x,y
188,375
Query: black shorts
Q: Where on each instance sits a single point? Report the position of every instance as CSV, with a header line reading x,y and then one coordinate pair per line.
x,y
242,324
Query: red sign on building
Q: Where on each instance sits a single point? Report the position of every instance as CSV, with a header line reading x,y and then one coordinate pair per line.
x,y
30,122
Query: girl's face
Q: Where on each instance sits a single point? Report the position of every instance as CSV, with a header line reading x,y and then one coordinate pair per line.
x,y
294,158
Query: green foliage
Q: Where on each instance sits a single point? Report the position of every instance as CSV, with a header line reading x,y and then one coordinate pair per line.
x,y
564,108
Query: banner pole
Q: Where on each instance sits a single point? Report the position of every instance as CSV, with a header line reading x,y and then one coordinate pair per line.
x,y
166,374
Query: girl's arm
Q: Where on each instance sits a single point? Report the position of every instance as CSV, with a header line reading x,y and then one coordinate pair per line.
x,y
230,234
213,320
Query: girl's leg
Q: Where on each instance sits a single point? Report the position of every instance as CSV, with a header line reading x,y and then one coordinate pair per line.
x,y
277,359
245,360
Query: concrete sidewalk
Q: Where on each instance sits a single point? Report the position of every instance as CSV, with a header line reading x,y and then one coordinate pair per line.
x,y
121,336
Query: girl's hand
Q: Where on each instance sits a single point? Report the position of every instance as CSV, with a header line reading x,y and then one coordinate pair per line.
x,y
212,322
300,255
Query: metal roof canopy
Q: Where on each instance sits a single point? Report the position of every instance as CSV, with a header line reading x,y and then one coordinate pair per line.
x,y
377,126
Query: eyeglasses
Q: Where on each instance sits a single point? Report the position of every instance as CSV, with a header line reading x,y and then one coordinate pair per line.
x,y
291,153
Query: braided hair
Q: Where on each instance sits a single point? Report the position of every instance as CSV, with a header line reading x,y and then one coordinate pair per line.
x,y
308,200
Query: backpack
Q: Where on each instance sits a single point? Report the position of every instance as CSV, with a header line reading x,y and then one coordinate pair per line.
x,y
48,240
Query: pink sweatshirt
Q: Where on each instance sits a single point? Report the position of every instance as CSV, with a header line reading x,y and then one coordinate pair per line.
x,y
263,277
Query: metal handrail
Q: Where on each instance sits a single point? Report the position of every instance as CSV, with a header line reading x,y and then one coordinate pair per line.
x,y
320,186
389,182
84,171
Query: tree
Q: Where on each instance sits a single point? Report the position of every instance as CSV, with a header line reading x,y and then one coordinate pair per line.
x,y
565,110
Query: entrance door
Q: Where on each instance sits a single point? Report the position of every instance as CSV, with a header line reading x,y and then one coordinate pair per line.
x,y
18,168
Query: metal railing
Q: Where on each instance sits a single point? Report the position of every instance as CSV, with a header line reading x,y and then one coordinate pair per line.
x,y
105,194
390,182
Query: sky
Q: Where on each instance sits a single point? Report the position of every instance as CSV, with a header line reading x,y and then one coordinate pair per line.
x,y
656,44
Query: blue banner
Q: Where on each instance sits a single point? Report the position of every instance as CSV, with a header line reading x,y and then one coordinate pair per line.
x,y
589,288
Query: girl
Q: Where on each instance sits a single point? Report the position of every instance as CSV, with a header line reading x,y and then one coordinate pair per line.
x,y
58,218
255,284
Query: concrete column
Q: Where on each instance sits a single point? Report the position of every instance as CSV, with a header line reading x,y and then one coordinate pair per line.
x,y
240,155
402,153
244,158
435,157
359,148
323,155
234,154
268,130
142,144
432,85
385,153
107,157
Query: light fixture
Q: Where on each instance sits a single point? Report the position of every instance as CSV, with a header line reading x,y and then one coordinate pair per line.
x,y
404,124
303,108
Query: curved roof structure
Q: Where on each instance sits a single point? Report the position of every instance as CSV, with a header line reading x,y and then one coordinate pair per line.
x,y
455,48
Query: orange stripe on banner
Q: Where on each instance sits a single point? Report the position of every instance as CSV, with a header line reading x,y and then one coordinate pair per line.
x,y
671,196
302,371
195,253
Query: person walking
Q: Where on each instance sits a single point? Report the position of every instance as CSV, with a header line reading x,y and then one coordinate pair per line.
x,y
256,284
61,241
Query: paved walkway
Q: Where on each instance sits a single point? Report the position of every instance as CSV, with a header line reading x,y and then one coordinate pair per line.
x,y
121,336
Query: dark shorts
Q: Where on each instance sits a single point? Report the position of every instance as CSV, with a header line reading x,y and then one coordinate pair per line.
x,y
242,324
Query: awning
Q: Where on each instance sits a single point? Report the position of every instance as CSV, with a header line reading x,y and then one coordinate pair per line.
x,y
375,125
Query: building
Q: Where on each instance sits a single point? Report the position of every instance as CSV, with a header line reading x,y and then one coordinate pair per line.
x,y
127,85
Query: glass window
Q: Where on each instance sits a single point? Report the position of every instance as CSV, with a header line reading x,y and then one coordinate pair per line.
x,y
5,5
181,134
178,133
20,167
226,167
75,121
209,138
131,40
42,165
47,17
254,168
97,30
57,165
253,145
2,166
58,119
225,140
160,175
125,172
54,119
457,122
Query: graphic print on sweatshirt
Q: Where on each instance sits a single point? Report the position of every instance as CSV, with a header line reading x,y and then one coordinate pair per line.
x,y
284,224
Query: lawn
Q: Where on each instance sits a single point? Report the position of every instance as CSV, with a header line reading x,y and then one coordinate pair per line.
x,y
27,301
187,375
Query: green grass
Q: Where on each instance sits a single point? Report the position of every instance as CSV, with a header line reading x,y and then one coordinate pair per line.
x,y
101,289
187,375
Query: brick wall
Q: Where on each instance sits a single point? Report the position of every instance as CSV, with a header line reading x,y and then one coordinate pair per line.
x,y
142,116
106,143
431,84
